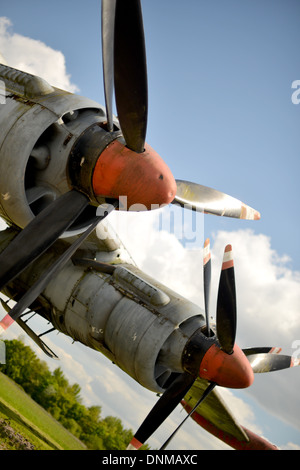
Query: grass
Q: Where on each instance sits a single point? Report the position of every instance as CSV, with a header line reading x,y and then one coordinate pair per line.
x,y
31,421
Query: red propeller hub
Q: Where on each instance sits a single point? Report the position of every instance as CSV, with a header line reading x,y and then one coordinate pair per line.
x,y
227,370
144,179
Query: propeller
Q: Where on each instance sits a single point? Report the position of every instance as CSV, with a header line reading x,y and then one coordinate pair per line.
x,y
125,71
108,26
124,59
162,409
209,389
31,295
40,234
210,201
207,280
213,358
111,169
268,362
262,349
226,304
269,359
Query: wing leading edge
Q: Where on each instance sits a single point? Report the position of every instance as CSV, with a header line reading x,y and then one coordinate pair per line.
x,y
215,417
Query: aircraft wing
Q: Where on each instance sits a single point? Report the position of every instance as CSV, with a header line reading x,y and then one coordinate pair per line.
x,y
216,418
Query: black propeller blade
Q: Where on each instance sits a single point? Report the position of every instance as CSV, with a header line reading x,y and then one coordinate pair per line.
x,y
40,234
201,399
30,296
207,280
124,58
130,73
226,304
162,409
108,27
261,349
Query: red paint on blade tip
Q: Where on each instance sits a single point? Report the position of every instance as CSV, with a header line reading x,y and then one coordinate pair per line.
x,y
249,213
5,323
206,251
275,350
295,362
207,242
256,215
134,444
228,258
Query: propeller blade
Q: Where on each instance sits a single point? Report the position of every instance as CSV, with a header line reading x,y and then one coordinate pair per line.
x,y
40,234
226,304
266,362
207,280
108,27
38,287
261,349
130,73
162,409
205,394
210,201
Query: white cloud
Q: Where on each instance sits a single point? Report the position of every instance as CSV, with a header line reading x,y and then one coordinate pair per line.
x,y
160,253
268,294
291,446
267,289
33,56
259,323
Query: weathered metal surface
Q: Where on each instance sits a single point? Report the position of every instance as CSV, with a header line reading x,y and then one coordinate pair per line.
x,y
39,126
24,83
128,316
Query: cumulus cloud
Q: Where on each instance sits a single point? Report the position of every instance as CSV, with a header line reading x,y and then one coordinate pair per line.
x,y
268,295
33,56
267,290
161,254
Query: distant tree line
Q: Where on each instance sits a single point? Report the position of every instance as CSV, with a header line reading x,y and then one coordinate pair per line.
x,y
62,400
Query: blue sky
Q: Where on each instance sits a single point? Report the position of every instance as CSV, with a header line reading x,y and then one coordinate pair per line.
x,y
220,113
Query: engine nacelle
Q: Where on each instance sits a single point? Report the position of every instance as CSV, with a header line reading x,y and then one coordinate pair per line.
x,y
139,324
39,126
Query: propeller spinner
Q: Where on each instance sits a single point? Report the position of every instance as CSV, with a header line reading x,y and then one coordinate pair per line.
x,y
121,164
119,172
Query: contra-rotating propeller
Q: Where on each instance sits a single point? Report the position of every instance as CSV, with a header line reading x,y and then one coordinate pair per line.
x,y
125,70
131,92
119,168
207,282
38,287
219,362
213,357
226,302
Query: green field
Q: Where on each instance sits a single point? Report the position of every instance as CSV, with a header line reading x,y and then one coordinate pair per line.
x,y
25,424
